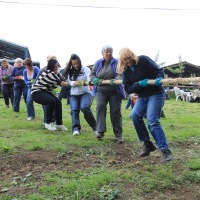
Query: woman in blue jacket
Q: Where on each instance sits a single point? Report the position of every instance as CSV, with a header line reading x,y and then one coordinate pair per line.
x,y
30,74
20,88
136,72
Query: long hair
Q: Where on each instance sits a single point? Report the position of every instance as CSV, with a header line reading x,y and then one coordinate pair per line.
x,y
70,70
124,53
51,63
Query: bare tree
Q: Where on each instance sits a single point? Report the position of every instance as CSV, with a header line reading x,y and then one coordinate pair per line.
x,y
156,59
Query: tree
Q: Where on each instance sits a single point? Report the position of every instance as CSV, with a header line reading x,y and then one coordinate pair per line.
x,y
179,70
156,59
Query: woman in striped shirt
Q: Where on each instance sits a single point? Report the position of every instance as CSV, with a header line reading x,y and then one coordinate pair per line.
x,y
42,94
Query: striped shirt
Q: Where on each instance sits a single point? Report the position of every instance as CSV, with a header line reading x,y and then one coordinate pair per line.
x,y
47,81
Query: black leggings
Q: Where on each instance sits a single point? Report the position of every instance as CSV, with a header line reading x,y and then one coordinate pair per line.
x,y
52,103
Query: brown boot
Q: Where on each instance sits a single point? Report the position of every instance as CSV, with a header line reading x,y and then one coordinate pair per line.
x,y
148,148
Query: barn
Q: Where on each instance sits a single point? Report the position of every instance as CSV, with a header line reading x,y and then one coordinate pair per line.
x,y
190,70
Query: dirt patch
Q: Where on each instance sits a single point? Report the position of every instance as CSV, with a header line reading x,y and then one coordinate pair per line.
x,y
23,163
32,165
37,162
180,193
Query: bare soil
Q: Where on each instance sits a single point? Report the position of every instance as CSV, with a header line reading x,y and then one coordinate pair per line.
x,y
23,165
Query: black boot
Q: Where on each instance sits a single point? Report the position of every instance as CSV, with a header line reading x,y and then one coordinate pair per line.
x,y
167,155
162,114
99,135
120,140
148,148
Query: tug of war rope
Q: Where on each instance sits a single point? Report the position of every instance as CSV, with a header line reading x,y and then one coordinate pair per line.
x,y
163,81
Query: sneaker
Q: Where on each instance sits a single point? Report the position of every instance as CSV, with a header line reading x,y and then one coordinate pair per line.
x,y
54,123
76,132
120,140
61,128
148,148
99,135
167,155
30,118
50,127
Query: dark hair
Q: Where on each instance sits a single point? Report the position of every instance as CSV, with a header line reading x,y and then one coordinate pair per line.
x,y
51,63
69,69
28,62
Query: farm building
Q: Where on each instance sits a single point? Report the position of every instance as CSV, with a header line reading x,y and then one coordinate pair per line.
x,y
189,70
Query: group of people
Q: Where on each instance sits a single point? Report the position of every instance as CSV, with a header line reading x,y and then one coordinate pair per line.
x,y
133,71
16,81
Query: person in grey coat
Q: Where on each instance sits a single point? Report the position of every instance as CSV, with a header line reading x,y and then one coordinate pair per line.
x,y
105,69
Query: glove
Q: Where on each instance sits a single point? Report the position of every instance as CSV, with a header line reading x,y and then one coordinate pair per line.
x,y
6,77
112,82
68,85
32,81
143,83
97,81
81,83
157,81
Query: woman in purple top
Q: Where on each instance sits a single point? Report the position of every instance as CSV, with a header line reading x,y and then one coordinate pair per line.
x,y
7,83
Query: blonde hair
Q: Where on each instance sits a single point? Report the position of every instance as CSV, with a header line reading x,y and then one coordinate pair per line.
x,y
124,53
51,57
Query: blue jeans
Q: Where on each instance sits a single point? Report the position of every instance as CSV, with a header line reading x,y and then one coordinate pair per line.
x,y
18,91
83,103
29,104
150,107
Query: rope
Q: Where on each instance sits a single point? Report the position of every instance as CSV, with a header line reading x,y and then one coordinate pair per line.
x,y
163,81
176,80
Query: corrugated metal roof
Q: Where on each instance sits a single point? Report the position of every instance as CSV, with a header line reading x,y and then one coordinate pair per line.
x,y
12,50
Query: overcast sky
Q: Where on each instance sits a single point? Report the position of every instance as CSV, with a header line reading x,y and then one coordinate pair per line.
x,y
63,27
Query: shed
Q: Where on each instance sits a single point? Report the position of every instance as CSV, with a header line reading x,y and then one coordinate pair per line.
x,y
189,70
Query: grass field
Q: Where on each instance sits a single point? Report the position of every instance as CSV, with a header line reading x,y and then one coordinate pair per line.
x,y
36,164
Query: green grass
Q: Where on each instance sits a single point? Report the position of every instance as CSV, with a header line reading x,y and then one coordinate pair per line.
x,y
85,168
